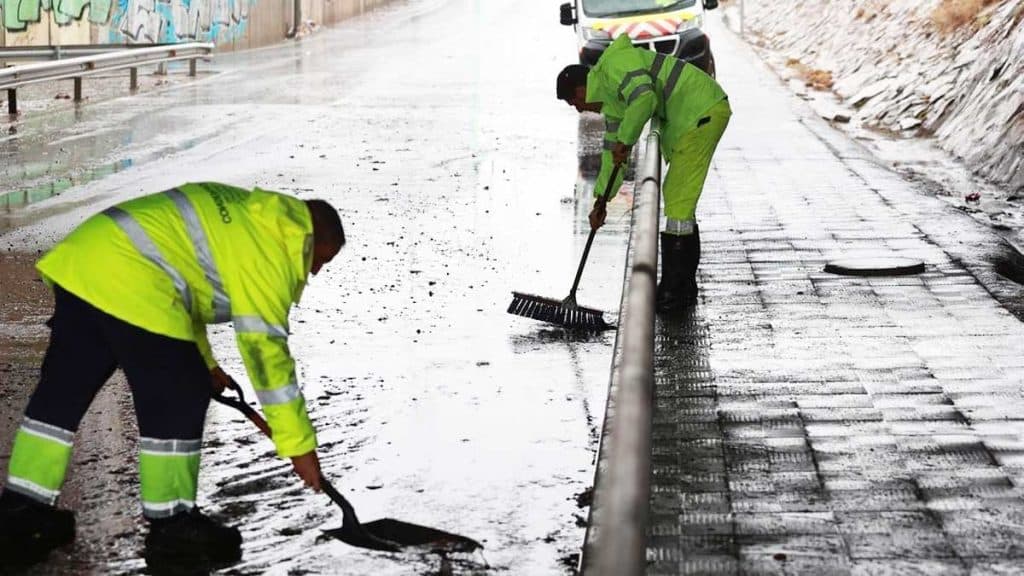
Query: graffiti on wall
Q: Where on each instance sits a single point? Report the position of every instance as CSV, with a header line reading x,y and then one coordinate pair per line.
x,y
177,20
137,20
18,14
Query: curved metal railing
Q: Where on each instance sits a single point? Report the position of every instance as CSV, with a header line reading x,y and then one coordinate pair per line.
x,y
616,540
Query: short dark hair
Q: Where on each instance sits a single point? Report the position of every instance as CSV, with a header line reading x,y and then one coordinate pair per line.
x,y
327,227
571,77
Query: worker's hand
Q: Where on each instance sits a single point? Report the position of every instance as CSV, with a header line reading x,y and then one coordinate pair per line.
x,y
219,380
621,152
598,214
307,467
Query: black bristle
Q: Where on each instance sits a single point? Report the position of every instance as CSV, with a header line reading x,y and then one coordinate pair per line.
x,y
555,312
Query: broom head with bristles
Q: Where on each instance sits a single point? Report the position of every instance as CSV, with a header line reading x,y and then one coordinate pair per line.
x,y
565,313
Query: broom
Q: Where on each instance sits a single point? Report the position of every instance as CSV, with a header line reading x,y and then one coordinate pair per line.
x,y
566,312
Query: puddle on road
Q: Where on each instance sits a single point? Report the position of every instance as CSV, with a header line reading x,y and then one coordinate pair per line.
x,y
37,181
55,187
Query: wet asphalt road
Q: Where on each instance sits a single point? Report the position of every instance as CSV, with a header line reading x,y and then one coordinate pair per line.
x,y
455,170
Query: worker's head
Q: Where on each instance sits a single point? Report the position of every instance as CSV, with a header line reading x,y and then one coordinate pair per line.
x,y
572,88
328,235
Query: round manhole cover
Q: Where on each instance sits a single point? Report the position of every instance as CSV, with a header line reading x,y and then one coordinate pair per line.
x,y
879,266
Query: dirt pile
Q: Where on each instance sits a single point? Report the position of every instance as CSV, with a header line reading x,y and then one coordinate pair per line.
x,y
949,68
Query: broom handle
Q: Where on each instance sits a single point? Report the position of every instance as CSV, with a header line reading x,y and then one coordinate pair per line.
x,y
590,239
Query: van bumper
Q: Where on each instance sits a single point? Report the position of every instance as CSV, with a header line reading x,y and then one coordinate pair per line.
x,y
691,45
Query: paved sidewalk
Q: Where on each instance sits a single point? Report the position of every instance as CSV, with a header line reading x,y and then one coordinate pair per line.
x,y
808,423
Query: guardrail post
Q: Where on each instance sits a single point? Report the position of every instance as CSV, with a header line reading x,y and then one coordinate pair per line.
x,y
78,89
133,75
12,101
161,69
192,67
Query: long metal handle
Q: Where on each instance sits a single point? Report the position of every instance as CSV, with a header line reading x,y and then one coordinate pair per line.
x,y
593,231
350,522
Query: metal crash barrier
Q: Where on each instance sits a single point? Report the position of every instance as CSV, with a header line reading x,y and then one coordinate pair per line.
x,y
616,540
76,68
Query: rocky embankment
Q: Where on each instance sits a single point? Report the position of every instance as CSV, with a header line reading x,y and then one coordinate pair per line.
x,y
948,69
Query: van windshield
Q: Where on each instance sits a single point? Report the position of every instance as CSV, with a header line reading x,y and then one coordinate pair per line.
x,y
611,8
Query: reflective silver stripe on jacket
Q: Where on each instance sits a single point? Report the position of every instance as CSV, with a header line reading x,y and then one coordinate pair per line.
x,y
611,126
610,144
629,78
679,227
144,244
174,447
32,490
659,61
221,304
638,92
673,77
280,395
257,325
166,509
48,431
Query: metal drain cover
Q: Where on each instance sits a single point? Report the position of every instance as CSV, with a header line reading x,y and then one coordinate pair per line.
x,y
877,266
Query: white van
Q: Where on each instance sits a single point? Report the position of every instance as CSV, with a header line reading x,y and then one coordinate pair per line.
x,y
672,27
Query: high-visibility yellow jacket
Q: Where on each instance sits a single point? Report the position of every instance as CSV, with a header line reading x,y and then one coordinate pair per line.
x,y
633,85
199,254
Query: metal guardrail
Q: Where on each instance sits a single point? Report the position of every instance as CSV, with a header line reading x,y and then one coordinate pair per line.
x,y
76,68
8,53
616,540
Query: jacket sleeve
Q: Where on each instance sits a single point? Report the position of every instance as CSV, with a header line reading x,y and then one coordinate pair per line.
x,y
636,91
203,343
263,342
607,162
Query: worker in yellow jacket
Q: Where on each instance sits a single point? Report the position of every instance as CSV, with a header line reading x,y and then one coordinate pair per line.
x,y
135,287
629,86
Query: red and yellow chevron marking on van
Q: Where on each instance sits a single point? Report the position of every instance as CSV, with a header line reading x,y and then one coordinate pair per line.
x,y
645,26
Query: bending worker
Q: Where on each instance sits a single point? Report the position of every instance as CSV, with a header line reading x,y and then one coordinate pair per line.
x,y
134,287
629,86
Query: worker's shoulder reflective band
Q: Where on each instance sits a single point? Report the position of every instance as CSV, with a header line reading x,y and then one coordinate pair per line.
x,y
174,447
32,490
221,304
679,227
144,244
659,61
166,509
612,126
673,77
638,92
280,395
609,143
629,79
48,431
258,325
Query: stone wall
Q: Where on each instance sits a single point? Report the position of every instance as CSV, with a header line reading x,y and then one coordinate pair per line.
x,y
903,71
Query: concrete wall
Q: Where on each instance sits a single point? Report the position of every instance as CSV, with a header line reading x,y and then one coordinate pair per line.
x,y
231,24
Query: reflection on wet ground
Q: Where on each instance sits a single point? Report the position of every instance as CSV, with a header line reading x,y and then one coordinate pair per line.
x,y
458,182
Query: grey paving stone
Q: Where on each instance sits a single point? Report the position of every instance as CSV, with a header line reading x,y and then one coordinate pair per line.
x,y
807,423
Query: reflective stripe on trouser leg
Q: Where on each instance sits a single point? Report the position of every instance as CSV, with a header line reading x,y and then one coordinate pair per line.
x,y
680,227
168,473
39,460
689,164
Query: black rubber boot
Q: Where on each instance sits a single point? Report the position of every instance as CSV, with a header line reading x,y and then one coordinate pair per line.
x,y
191,539
680,256
29,530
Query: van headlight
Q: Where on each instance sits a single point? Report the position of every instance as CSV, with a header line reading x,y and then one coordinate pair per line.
x,y
595,34
695,22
